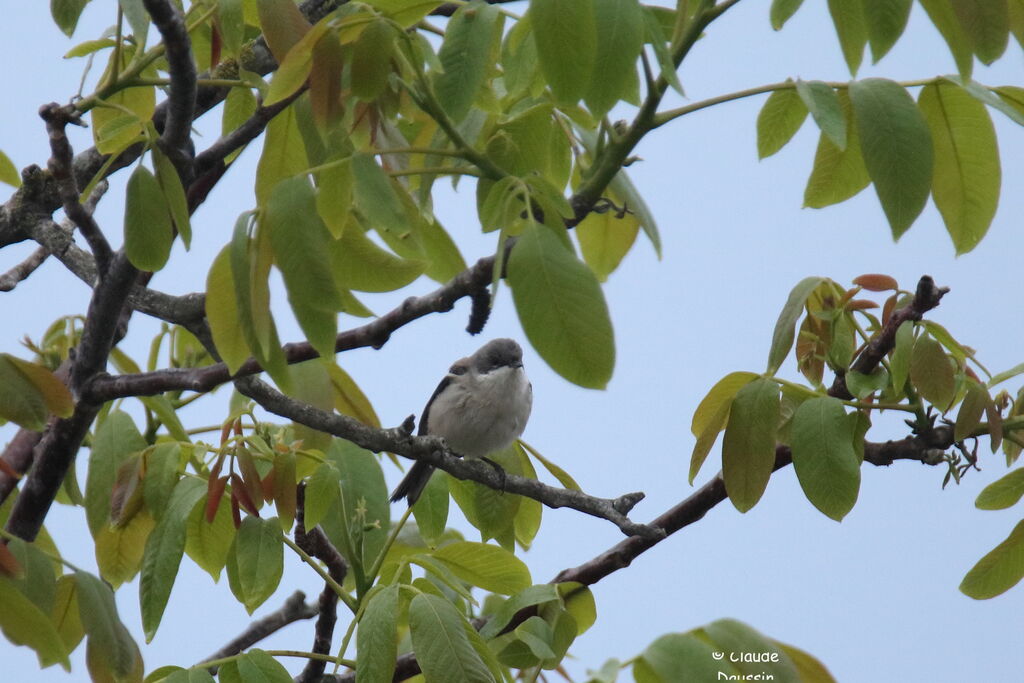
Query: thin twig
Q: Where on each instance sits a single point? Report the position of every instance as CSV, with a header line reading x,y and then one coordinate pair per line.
x,y
294,609
57,118
22,271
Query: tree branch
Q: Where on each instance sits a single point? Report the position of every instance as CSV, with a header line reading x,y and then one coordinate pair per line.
x,y
22,271
176,138
316,544
374,334
61,158
399,440
294,609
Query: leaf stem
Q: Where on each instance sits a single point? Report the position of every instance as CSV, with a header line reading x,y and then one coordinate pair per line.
x,y
664,117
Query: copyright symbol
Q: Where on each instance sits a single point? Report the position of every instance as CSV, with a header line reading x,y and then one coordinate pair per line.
x,y
718,655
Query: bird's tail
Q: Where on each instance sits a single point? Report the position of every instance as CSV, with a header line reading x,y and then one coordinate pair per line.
x,y
414,482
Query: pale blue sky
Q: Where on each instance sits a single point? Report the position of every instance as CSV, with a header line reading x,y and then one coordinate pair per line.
x,y
874,597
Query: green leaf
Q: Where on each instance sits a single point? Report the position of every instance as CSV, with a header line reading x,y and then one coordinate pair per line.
x,y
256,561
283,25
899,362
118,119
848,18
897,148
487,566
442,647
20,401
29,393
562,308
976,400
1002,493
371,59
781,11
566,35
932,372
528,597
363,507
945,20
8,171
187,676
748,450
115,439
377,637
467,55
826,464
679,657
862,386
256,666
605,239
239,105
360,264
300,242
322,491
161,476
999,571
886,21
658,35
284,153
349,399
808,667
987,25
778,121
163,553
138,18
174,194
23,623
334,195
148,232
107,635
222,312
65,612
207,543
445,261
837,174
967,175
376,198
720,394
65,14
620,38
431,510
294,70
823,103
119,549
729,635
782,337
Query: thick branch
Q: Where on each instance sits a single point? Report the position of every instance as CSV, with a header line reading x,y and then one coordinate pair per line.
x,y
181,99
433,450
294,609
61,159
375,334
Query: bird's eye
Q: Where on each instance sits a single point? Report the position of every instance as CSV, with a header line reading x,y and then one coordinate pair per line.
x,y
458,370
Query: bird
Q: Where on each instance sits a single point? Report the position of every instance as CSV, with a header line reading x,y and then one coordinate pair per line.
x,y
481,406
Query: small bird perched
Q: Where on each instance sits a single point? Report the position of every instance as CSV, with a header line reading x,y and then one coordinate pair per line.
x,y
481,406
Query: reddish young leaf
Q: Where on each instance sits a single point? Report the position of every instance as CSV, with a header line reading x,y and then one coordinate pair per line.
x,y
236,514
268,485
9,565
250,476
874,282
238,490
214,493
225,432
888,307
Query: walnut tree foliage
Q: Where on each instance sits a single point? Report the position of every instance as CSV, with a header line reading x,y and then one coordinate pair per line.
x,y
362,108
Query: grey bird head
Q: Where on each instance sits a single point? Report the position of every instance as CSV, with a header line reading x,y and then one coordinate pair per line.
x,y
498,353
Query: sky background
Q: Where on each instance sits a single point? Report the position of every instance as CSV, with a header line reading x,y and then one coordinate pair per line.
x,y
874,597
